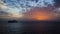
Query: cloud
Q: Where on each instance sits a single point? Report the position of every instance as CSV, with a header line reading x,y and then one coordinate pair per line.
x,y
27,3
8,7
3,8
57,3
42,14
3,12
3,5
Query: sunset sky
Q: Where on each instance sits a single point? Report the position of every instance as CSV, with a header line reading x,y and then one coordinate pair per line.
x,y
39,9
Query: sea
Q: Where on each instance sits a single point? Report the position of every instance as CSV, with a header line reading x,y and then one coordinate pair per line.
x,y
29,27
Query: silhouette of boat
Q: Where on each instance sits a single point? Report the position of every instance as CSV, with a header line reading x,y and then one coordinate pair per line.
x,y
12,21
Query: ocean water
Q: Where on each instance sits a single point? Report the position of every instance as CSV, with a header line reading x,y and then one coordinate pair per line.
x,y
30,27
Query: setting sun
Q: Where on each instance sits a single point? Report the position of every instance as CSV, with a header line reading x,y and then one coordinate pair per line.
x,y
42,16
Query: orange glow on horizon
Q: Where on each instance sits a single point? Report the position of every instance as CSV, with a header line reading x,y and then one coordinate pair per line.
x,y
37,14
42,16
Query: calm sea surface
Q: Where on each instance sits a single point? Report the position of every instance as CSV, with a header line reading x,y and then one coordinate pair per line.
x,y
30,27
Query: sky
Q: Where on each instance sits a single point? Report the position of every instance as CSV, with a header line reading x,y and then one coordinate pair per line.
x,y
17,8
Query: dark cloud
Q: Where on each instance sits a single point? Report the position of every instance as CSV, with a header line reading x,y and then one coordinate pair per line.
x,y
2,12
57,3
34,0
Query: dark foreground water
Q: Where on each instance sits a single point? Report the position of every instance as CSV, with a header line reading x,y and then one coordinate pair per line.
x,y
30,27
